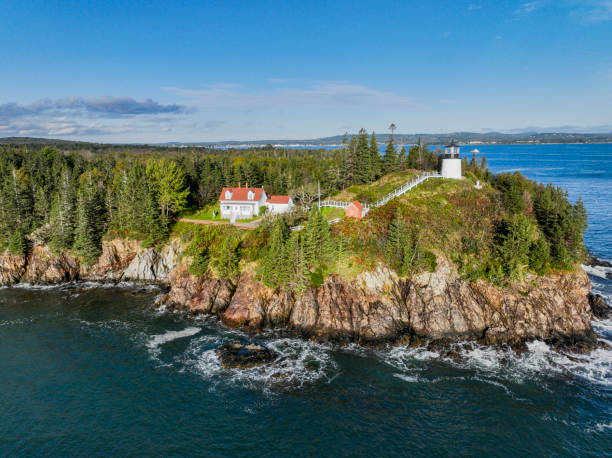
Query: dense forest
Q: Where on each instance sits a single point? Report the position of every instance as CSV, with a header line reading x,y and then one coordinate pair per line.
x,y
72,200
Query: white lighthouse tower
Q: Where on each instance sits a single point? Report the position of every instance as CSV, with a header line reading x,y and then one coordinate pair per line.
x,y
450,162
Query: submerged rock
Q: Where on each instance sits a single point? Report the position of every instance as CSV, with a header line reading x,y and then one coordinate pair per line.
x,y
237,355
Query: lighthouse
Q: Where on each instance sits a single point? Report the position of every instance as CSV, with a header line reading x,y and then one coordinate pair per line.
x,y
450,162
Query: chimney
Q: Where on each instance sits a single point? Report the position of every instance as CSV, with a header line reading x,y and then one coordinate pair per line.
x,y
247,185
239,184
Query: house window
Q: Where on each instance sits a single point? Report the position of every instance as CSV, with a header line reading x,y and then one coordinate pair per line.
x,y
228,195
250,195
226,207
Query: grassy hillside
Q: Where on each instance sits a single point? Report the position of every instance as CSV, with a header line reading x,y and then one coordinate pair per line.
x,y
370,193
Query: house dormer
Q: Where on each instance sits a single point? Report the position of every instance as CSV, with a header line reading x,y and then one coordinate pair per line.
x,y
228,195
250,195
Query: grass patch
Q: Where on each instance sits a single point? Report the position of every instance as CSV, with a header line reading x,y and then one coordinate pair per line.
x,y
330,213
206,214
370,193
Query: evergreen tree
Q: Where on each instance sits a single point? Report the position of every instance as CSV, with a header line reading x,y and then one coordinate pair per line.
x,y
513,241
391,159
274,265
227,256
299,275
90,217
63,213
317,241
375,159
363,165
17,204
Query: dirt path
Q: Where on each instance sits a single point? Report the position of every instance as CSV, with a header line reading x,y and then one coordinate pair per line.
x,y
250,225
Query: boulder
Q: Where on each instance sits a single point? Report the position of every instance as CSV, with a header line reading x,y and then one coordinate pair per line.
x,y
237,355
599,306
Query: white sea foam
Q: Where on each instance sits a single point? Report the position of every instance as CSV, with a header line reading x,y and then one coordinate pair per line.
x,y
502,365
85,285
156,341
598,271
299,362
408,378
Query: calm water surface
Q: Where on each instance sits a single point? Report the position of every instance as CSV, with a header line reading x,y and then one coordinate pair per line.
x,y
93,370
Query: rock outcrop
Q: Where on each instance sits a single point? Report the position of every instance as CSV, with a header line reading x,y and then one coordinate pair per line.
x,y
12,267
153,265
237,355
121,259
379,306
44,266
116,256
599,306
375,306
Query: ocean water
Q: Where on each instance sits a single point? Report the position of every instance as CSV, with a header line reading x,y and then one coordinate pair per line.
x,y
94,370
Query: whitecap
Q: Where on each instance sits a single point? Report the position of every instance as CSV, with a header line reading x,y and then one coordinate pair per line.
x,y
408,378
299,363
598,271
156,341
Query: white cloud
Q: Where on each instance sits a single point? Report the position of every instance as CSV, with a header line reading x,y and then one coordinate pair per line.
x,y
95,106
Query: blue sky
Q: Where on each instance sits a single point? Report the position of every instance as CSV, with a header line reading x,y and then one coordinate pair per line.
x,y
155,71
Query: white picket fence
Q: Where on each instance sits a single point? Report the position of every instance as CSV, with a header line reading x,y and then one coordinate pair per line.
x,y
392,195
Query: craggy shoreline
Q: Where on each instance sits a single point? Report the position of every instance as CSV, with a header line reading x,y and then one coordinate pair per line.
x,y
434,308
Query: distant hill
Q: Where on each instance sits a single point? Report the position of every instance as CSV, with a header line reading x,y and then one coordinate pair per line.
x,y
402,139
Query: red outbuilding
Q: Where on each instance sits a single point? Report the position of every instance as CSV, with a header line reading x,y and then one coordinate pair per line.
x,y
354,210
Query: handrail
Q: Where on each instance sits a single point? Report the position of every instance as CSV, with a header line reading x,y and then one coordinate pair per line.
x,y
392,195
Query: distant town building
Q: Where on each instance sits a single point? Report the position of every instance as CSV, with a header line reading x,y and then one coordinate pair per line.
x,y
279,204
450,162
246,203
354,210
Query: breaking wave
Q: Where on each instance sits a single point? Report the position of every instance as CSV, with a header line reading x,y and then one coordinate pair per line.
x,y
495,365
299,363
156,341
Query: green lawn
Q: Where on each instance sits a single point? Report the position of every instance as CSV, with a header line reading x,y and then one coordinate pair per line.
x,y
332,213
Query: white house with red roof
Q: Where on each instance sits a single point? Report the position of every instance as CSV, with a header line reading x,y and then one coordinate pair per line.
x,y
246,203
279,204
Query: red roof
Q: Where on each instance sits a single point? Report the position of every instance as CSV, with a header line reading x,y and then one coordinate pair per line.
x,y
357,204
241,194
278,200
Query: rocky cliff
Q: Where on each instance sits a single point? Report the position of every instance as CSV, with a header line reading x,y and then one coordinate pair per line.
x,y
121,259
379,306
375,306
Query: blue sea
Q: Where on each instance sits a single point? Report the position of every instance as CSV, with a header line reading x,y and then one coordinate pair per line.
x,y
94,370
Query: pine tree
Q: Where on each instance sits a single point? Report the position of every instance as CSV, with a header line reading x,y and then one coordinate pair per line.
x,y
90,217
17,206
63,213
227,256
375,159
363,169
299,277
391,160
274,266
317,241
